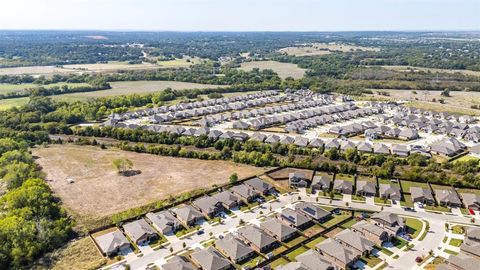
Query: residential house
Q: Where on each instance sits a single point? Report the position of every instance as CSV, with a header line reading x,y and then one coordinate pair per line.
x,y
295,219
392,192
460,261
188,215
164,222
256,238
278,229
178,263
400,150
140,231
447,197
343,186
365,147
234,249
227,199
422,195
210,259
245,192
298,179
112,243
336,253
447,147
366,188
314,261
389,221
355,242
380,148
209,206
471,245
408,134
471,200
321,182
313,211
293,266
260,186
372,232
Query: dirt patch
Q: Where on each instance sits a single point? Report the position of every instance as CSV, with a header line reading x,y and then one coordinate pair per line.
x,y
323,48
99,191
283,70
333,233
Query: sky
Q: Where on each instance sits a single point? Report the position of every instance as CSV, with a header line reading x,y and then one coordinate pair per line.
x,y
240,15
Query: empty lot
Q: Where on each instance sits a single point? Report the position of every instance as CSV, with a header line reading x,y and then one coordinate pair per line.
x,y
322,49
99,191
283,70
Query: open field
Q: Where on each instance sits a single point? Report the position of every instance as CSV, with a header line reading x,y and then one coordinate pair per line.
x,y
433,70
99,191
459,102
135,87
283,70
8,88
12,102
79,254
322,49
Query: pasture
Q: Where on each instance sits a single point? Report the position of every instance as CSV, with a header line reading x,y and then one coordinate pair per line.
x,y
8,88
134,87
433,70
322,49
283,70
98,190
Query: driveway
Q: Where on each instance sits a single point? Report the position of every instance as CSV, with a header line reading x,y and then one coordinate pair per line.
x,y
370,200
347,198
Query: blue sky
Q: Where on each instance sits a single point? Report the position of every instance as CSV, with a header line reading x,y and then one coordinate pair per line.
x,y
241,15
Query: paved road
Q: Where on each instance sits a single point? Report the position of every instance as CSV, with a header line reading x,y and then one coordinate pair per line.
x,y
432,240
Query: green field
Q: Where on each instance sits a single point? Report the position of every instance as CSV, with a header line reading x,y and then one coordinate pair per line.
x,y
8,88
407,184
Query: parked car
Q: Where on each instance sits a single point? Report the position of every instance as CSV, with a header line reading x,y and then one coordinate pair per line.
x,y
200,232
409,209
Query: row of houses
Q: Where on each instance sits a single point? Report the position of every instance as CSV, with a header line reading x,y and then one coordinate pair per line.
x,y
244,244
469,256
192,105
167,222
348,246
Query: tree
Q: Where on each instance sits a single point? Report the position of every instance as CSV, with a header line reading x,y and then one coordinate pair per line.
x,y
122,165
233,178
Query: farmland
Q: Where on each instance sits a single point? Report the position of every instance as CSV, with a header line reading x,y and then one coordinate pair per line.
x,y
104,192
8,88
322,49
283,70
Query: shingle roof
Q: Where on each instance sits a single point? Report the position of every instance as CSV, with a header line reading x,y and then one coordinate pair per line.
x,y
187,213
312,210
109,242
137,229
295,217
210,259
355,240
447,196
277,228
314,261
164,220
336,250
256,236
233,247
178,263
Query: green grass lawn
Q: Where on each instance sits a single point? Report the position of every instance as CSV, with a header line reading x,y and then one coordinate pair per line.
x,y
437,208
371,261
278,262
313,243
349,223
455,242
252,262
279,250
384,250
347,177
406,185
458,229
378,200
414,226
292,255
408,201
451,252
358,198
295,241
336,219
399,242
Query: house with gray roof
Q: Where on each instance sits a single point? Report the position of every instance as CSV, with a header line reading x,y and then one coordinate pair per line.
x,y
336,253
164,222
366,188
390,192
408,134
389,221
247,193
227,199
178,263
400,150
258,137
301,141
295,219
365,147
447,197
460,261
209,206
210,259
355,242
272,139
234,249
335,143
293,266
314,261
257,238
447,147
380,148
343,186
188,215
112,243
422,195
298,179
313,211
372,232
140,231
471,200
278,229
315,142
260,186
321,182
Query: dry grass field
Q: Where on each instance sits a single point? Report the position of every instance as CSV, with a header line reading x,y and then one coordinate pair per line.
x,y
99,190
433,70
79,254
134,87
459,102
283,70
322,49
